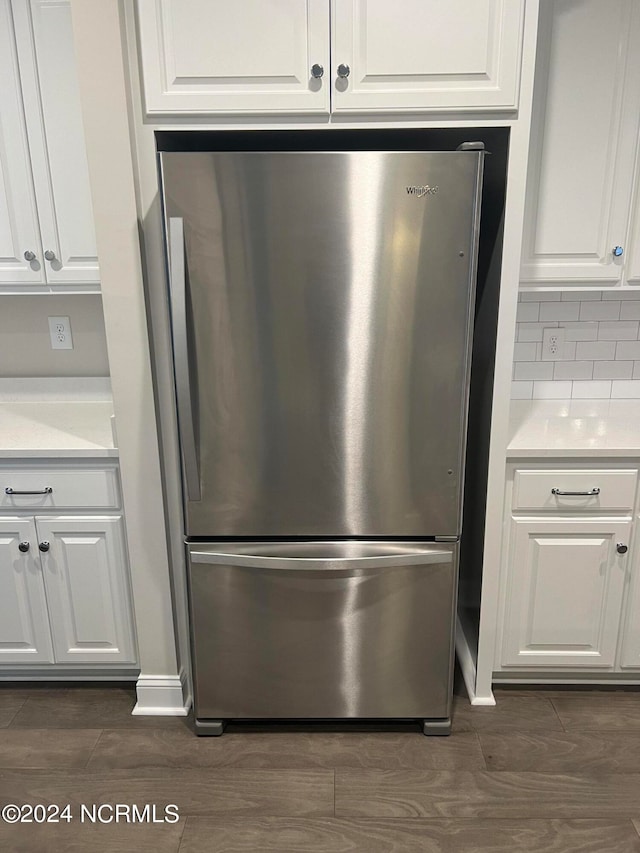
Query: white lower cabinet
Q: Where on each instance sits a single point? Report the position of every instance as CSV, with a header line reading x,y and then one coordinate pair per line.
x,y
24,620
64,579
566,586
84,570
570,572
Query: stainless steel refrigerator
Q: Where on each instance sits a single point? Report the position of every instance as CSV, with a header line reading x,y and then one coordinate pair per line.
x,y
322,309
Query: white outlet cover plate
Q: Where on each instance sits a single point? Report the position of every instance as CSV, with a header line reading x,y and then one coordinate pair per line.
x,y
60,333
550,335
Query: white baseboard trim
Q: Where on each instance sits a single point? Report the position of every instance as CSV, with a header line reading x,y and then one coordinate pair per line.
x,y
160,696
484,700
468,667
58,673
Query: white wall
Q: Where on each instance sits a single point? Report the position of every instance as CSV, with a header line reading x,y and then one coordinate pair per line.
x,y
25,347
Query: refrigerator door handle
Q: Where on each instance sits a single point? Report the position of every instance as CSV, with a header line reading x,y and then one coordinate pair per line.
x,y
319,564
178,290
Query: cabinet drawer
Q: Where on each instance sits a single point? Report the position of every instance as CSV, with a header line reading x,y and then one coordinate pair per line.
x,y
616,490
68,488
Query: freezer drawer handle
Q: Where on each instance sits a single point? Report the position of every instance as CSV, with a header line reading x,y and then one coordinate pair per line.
x,y
591,493
46,491
327,564
178,288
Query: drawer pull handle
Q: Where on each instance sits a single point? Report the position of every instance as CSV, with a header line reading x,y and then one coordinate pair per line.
x,y
46,491
591,493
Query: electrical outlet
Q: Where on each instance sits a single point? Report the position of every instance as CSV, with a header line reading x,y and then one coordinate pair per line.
x,y
553,344
60,333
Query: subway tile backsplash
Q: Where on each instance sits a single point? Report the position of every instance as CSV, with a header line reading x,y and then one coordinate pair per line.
x,y
601,356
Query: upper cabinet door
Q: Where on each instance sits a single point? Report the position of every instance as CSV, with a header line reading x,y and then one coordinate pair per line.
x,y
56,139
426,55
245,56
583,142
19,235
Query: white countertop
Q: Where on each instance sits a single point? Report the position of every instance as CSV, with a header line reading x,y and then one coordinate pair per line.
x,y
56,418
541,428
56,430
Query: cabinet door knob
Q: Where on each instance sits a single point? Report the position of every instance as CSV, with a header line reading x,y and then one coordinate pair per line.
x,y
343,71
621,549
617,251
24,547
49,255
317,71
29,256
44,545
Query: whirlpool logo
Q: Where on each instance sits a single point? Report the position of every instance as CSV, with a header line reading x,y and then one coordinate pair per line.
x,y
419,192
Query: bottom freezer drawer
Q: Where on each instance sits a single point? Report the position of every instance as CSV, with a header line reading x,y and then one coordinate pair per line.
x,y
322,630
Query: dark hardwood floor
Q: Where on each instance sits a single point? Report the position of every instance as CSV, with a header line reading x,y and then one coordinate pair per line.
x,y
549,770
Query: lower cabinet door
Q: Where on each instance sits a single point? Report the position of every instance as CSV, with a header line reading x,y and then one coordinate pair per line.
x,y
565,586
24,620
85,572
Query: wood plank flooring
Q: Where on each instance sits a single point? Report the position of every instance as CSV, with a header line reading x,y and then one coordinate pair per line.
x,y
554,771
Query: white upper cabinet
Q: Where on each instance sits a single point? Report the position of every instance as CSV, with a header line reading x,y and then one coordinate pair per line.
x,y
46,217
262,56
247,56
417,55
583,142
56,140
19,233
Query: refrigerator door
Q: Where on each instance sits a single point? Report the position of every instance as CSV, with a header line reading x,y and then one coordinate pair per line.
x,y
322,629
322,307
